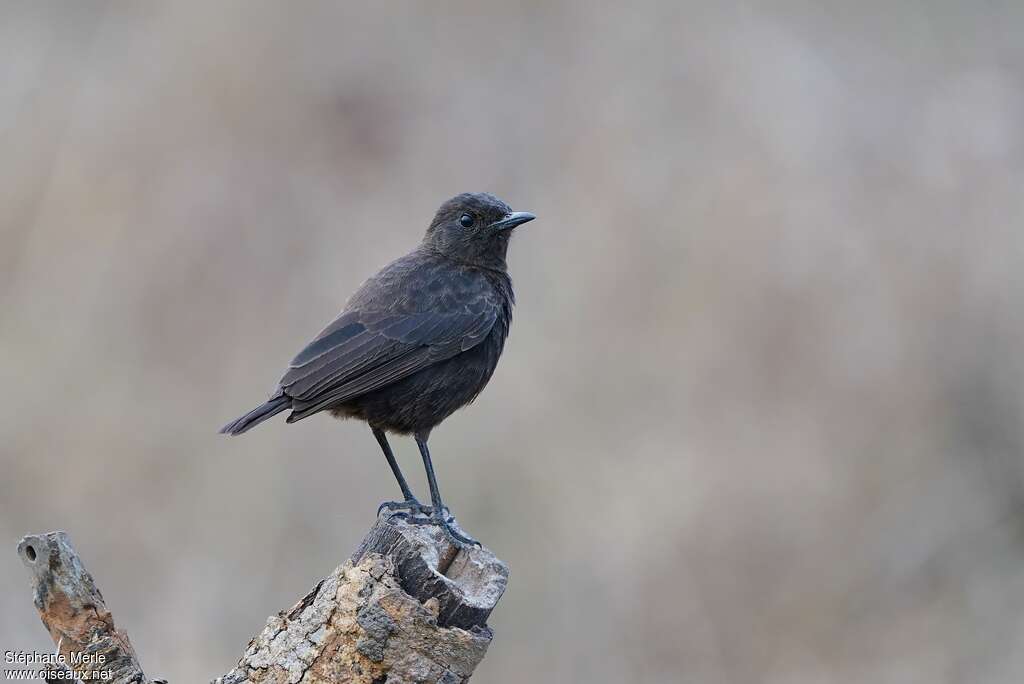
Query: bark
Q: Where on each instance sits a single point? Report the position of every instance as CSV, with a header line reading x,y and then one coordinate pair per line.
x,y
408,606
73,611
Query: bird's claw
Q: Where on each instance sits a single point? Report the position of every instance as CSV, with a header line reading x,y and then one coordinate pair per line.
x,y
426,517
407,509
399,505
415,513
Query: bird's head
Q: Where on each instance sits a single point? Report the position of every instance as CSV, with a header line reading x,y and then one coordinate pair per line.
x,y
474,228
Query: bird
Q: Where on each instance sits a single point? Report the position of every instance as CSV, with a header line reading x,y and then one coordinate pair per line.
x,y
415,342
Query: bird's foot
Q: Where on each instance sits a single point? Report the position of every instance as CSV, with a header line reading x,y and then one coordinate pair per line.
x,y
424,514
411,509
444,522
415,513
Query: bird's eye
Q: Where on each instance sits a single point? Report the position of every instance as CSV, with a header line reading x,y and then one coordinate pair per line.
x,y
466,220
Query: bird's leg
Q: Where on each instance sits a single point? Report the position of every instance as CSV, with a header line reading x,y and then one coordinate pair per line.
x,y
435,495
390,456
410,503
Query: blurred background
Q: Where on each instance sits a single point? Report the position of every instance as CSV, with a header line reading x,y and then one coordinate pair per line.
x,y
760,415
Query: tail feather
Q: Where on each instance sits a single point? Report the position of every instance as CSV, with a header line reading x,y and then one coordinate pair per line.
x,y
257,416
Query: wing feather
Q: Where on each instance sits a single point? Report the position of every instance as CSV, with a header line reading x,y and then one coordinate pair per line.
x,y
367,348
368,351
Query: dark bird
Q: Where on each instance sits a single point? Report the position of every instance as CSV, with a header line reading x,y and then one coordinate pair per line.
x,y
416,342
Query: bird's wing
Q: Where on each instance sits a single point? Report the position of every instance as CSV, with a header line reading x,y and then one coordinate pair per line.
x,y
365,351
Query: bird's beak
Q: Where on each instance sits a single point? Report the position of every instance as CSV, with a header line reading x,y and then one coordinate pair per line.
x,y
516,218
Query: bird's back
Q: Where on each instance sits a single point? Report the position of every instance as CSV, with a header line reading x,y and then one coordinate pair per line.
x,y
424,280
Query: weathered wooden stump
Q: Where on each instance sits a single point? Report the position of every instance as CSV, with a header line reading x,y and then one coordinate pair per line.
x,y
408,606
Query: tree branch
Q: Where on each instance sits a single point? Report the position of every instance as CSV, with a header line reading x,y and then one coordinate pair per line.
x,y
408,606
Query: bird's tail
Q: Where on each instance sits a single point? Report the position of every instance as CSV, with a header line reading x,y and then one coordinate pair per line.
x,y
257,415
